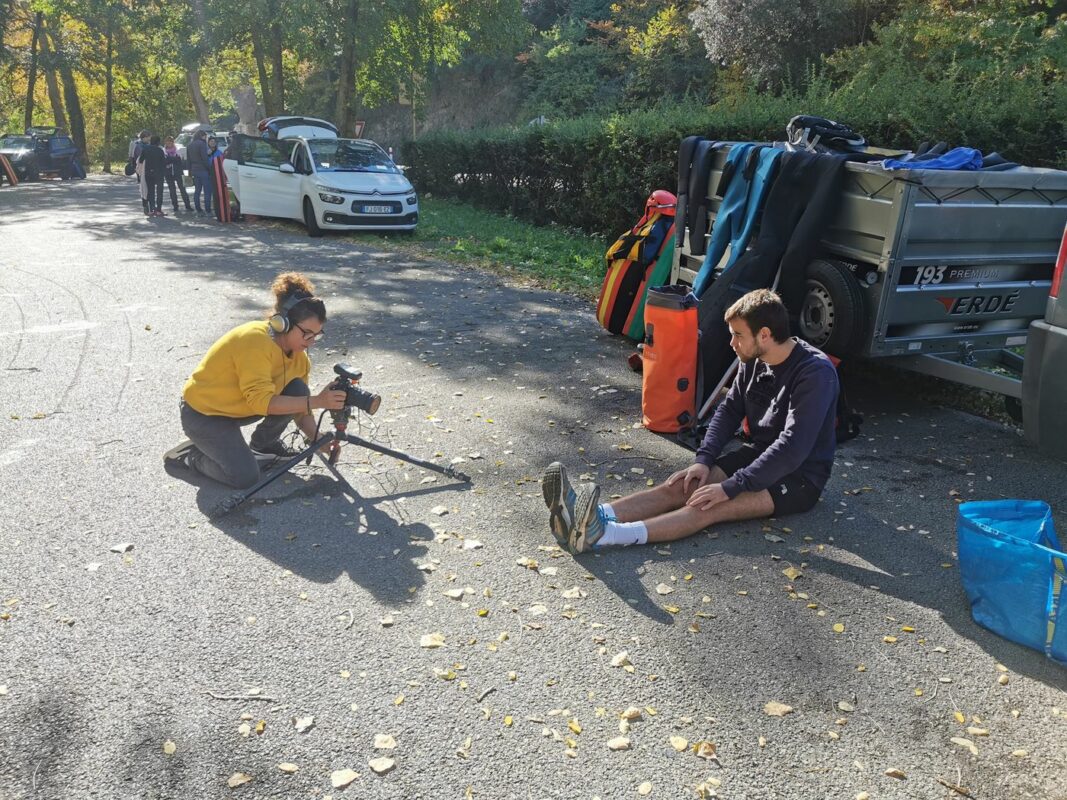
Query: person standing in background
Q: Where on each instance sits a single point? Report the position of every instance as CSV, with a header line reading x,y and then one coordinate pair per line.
x,y
135,157
173,174
154,161
198,168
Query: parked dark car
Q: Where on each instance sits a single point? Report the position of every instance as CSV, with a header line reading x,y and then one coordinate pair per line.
x,y
19,151
42,151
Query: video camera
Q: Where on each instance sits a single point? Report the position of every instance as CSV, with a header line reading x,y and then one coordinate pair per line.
x,y
355,397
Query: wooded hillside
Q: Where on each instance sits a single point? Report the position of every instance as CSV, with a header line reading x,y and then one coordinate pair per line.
x,y
106,68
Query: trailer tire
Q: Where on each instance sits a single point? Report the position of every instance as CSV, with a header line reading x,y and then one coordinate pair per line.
x,y
1013,407
834,315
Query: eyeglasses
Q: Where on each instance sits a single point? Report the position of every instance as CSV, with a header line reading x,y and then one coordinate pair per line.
x,y
310,336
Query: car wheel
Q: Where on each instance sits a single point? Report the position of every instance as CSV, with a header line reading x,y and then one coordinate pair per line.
x,y
834,316
32,174
309,219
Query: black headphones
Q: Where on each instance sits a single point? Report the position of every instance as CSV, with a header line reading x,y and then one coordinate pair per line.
x,y
279,321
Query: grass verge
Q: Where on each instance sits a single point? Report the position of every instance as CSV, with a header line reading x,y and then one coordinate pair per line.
x,y
551,257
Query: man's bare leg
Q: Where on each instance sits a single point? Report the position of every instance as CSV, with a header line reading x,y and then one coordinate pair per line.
x,y
686,521
644,505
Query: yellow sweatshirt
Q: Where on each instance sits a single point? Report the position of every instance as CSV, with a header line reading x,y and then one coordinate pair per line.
x,y
241,372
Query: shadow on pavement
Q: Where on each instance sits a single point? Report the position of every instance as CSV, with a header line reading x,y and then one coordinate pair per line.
x,y
476,328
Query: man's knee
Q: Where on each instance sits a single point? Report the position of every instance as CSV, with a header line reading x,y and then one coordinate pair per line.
x,y
675,493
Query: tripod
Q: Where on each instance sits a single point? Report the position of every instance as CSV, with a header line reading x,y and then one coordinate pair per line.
x,y
331,443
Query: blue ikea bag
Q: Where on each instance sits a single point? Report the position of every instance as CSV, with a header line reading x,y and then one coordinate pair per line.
x,y
1013,570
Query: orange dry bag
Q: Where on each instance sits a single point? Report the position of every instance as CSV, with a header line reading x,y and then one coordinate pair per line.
x,y
668,390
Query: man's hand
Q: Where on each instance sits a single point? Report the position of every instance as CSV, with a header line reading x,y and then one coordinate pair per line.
x,y
330,399
696,475
707,497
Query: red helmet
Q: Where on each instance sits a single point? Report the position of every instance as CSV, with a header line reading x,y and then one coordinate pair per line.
x,y
663,201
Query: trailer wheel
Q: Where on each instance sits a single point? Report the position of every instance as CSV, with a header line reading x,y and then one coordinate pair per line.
x,y
833,317
1013,407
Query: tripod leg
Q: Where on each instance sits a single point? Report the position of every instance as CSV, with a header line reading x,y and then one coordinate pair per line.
x,y
418,462
234,500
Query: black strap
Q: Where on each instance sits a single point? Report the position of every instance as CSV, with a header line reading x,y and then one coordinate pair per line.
x,y
697,216
685,163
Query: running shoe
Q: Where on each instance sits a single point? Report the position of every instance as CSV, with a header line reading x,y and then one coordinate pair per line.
x,y
559,498
587,525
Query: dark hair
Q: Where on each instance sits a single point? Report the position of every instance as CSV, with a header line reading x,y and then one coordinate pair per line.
x,y
760,309
290,284
199,135
155,140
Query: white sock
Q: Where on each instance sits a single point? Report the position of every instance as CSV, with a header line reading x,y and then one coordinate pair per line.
x,y
609,512
623,534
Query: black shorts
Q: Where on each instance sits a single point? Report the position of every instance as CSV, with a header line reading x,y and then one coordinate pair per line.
x,y
793,494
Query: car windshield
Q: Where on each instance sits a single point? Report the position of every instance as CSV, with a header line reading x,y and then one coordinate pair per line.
x,y
350,155
16,142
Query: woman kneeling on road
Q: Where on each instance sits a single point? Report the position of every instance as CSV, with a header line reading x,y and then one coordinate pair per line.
x,y
257,372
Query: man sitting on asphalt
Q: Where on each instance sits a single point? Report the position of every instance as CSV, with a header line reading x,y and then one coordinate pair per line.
x,y
786,389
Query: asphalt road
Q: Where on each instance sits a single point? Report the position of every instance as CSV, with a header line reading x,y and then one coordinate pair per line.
x,y
107,657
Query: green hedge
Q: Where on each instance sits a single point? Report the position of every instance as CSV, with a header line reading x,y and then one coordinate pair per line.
x,y
594,174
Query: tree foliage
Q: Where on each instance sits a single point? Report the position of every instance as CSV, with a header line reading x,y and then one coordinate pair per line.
x,y
775,41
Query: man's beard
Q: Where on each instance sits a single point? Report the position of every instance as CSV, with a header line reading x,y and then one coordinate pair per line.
x,y
758,352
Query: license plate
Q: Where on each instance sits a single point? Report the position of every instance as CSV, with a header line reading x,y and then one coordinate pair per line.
x,y
377,209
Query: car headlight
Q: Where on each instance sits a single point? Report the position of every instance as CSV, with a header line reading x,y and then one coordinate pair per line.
x,y
413,200
329,194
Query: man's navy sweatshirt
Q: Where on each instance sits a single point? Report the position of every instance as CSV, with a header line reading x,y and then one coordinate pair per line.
x,y
791,409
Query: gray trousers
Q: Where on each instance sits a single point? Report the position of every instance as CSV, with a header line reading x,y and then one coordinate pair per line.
x,y
221,453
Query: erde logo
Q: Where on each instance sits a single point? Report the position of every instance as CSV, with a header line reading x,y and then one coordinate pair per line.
x,y
990,304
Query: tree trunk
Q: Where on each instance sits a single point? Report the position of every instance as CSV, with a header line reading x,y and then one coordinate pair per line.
x,y
109,92
48,66
264,83
70,92
277,76
346,80
31,78
192,79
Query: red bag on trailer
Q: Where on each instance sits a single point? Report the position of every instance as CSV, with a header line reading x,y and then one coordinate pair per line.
x,y
222,190
9,171
668,387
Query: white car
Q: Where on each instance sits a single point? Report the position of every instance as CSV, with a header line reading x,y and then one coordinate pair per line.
x,y
326,182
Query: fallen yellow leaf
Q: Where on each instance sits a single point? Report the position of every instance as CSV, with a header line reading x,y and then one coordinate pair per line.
x,y
340,778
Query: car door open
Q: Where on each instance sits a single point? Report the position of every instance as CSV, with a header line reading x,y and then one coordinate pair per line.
x,y
265,189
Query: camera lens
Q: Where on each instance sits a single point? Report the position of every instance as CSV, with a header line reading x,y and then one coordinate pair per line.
x,y
363,400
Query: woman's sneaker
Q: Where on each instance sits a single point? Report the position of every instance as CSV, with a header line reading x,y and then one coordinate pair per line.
x,y
587,526
559,498
273,451
178,456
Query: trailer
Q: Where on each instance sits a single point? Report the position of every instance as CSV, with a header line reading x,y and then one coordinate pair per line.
x,y
935,271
